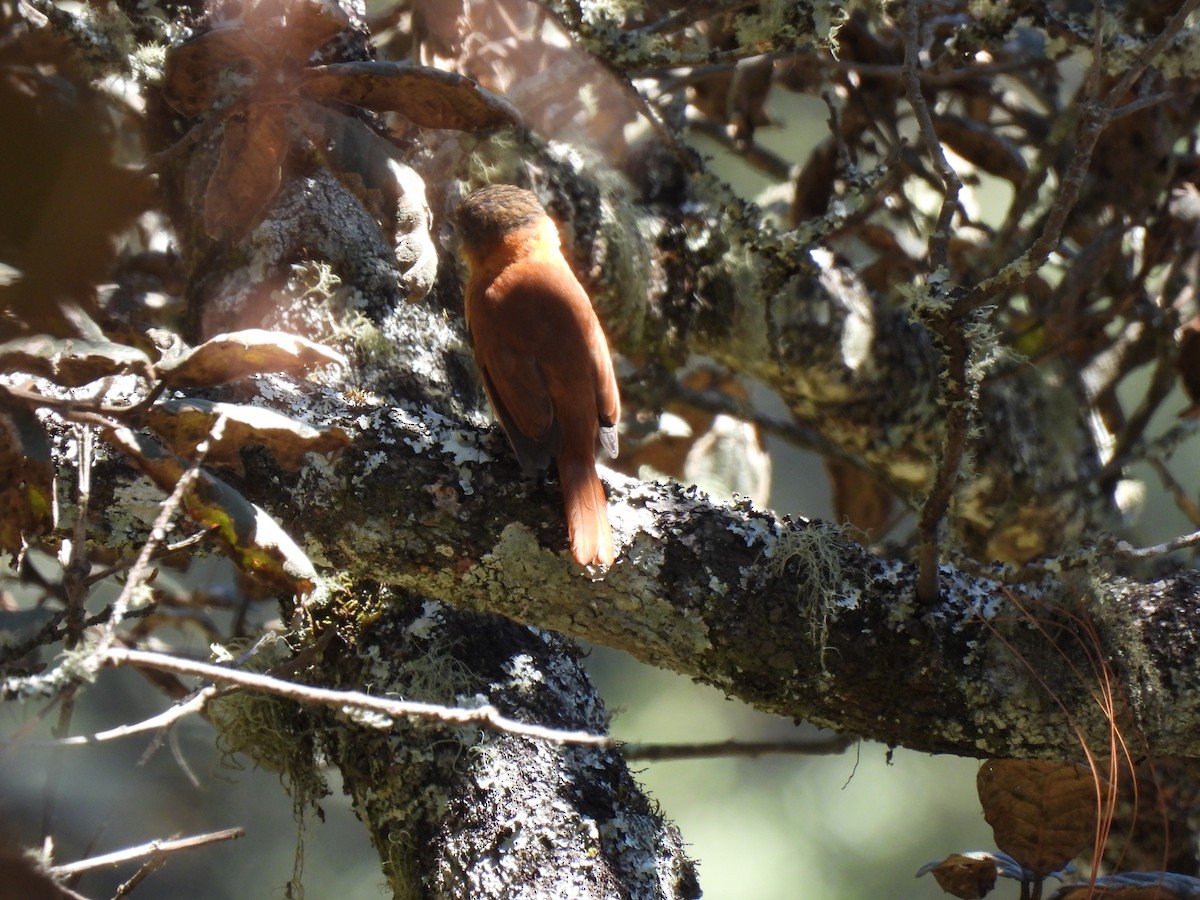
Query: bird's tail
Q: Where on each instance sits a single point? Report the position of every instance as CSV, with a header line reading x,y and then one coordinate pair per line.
x,y
587,512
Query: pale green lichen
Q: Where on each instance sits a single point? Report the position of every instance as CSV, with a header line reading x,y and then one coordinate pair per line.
x,y
813,552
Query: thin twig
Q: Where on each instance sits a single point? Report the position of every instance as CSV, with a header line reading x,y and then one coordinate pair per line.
x,y
939,241
1123,550
1181,496
949,327
1096,113
122,565
669,752
153,864
309,695
158,533
108,860
193,704
957,400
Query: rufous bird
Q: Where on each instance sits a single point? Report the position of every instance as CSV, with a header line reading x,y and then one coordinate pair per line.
x,y
542,353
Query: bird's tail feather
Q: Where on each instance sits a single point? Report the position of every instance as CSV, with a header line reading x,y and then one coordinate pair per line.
x,y
587,512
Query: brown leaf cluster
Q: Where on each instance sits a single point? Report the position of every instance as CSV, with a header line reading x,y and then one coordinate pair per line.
x,y
162,437
278,110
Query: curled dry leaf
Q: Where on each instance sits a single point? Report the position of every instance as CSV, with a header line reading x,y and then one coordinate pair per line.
x,y
71,362
192,71
26,479
251,538
966,877
183,424
428,97
240,354
253,149
1041,812
1187,364
979,144
858,498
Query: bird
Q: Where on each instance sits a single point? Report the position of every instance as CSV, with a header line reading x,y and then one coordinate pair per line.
x,y
542,353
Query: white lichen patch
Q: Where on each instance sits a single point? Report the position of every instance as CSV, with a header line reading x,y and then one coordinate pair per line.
x,y
463,447
967,599
523,673
755,530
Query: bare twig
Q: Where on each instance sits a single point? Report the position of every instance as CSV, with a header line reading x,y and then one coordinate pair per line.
x,y
1123,550
153,864
1181,496
309,695
948,326
1095,114
957,400
158,533
939,241
164,719
838,743
122,565
108,860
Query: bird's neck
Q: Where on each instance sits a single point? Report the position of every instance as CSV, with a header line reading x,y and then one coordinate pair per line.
x,y
538,238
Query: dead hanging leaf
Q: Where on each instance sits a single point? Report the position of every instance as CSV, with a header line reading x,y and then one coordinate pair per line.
x,y
815,183
748,98
1041,812
297,28
979,144
428,97
1187,364
244,183
967,877
192,71
183,424
71,362
26,479
858,498
240,354
270,38
251,538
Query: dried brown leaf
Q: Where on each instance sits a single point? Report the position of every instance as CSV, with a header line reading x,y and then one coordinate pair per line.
x,y
429,97
1187,364
183,424
240,354
247,175
71,362
858,498
966,877
1041,812
251,538
193,69
981,145
814,183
